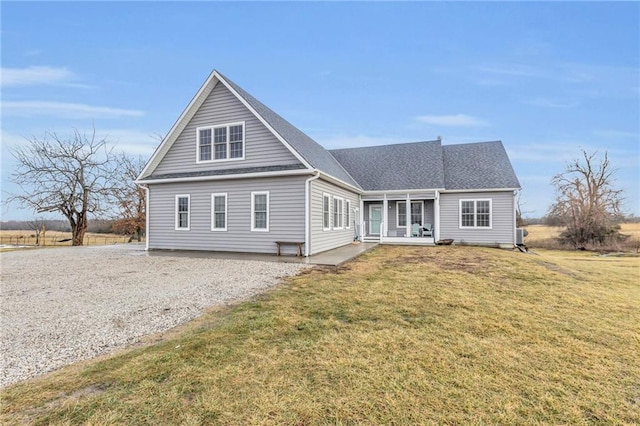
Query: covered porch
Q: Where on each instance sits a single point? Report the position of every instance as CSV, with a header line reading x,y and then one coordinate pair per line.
x,y
386,219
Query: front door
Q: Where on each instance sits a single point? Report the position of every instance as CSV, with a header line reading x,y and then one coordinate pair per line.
x,y
375,219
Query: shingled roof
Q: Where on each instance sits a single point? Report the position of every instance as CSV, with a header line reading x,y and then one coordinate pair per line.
x,y
483,165
429,165
391,167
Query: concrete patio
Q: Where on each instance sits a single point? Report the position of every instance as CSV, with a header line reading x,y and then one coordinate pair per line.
x,y
333,257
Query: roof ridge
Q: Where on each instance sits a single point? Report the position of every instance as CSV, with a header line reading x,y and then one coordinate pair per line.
x,y
473,143
386,144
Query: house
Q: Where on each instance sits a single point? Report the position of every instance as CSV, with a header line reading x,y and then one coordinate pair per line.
x,y
232,175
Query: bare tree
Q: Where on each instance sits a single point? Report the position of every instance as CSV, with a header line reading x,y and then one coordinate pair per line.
x,y
73,176
38,226
587,203
131,198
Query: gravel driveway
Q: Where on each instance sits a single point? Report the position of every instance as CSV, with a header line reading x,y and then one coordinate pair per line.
x,y
62,305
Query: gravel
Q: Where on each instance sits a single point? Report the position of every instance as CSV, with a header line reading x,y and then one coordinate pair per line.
x,y
62,305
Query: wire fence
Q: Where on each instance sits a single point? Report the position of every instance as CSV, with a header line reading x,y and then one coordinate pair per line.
x,y
63,240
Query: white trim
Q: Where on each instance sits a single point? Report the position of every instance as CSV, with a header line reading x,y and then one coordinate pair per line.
x,y
436,217
475,213
339,212
453,191
213,212
347,215
253,195
398,211
400,191
219,126
297,172
328,196
177,219
307,214
384,231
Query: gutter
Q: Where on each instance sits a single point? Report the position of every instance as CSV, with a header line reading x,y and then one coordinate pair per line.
x,y
307,212
296,172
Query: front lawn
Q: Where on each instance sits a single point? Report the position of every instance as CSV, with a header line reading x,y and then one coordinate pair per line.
x,y
403,335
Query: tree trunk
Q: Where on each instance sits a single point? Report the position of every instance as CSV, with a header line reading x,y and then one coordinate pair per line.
x,y
79,230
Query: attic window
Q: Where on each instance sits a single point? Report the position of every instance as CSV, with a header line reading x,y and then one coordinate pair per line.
x,y
220,143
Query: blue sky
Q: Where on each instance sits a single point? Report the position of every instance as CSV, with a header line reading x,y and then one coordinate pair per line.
x,y
545,78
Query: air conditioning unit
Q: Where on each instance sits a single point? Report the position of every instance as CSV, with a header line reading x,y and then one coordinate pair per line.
x,y
520,234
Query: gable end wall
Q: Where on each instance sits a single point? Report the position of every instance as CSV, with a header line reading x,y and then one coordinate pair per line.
x,y
262,148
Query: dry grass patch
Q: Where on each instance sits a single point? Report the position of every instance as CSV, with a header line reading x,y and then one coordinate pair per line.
x,y
404,335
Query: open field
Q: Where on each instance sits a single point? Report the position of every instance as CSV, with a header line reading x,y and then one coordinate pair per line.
x,y
403,335
56,238
544,235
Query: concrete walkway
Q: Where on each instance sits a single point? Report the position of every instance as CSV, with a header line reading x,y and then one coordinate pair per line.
x,y
333,257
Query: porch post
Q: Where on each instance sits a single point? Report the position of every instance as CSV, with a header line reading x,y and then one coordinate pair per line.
x,y
436,217
408,216
383,227
363,231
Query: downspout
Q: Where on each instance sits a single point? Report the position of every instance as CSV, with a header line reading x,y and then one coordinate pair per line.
x,y
146,216
307,213
436,216
515,214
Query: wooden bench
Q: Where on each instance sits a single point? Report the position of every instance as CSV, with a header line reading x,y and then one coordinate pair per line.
x,y
290,243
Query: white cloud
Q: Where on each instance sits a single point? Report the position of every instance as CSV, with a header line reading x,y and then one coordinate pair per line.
x,y
65,110
456,120
33,76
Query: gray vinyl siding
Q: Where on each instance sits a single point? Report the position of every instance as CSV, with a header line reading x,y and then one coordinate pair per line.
x,y
286,215
322,240
262,148
502,211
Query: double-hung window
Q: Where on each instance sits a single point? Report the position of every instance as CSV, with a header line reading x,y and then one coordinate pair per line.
x,y
183,213
475,213
219,212
326,212
347,215
416,214
338,213
260,211
220,143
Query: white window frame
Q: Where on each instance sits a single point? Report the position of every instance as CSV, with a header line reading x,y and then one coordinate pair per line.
x,y
398,212
213,211
339,212
253,218
347,215
475,213
213,154
327,197
177,216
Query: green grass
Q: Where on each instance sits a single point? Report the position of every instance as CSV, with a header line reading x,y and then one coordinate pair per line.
x,y
404,335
